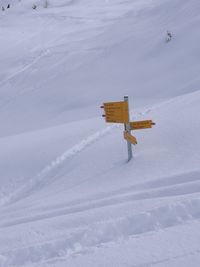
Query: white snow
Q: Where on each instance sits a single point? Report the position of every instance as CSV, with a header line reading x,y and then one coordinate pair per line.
x,y
68,197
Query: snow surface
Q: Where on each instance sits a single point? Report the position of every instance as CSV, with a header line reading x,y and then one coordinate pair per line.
x,y
68,197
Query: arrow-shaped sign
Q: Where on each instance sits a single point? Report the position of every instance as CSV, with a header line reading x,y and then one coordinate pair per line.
x,y
137,125
130,138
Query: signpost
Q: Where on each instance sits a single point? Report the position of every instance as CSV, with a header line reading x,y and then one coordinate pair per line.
x,y
118,112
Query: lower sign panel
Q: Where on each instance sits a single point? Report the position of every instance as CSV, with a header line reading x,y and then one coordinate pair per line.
x,y
130,138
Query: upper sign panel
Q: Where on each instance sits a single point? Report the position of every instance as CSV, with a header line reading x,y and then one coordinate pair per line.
x,y
116,112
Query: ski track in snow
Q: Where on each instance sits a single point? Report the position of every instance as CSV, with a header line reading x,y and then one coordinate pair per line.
x,y
12,76
168,187
25,67
43,176
84,239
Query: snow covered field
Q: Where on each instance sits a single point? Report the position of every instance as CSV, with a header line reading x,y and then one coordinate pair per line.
x,y
68,197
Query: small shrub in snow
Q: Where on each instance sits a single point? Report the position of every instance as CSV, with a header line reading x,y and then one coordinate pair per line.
x,y
168,36
34,6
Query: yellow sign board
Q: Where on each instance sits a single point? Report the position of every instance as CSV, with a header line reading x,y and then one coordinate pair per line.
x,y
130,138
116,112
137,125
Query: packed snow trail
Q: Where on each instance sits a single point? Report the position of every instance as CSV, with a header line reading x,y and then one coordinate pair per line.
x,y
42,178
80,240
154,190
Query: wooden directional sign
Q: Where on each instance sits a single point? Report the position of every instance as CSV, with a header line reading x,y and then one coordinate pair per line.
x,y
137,125
116,112
130,138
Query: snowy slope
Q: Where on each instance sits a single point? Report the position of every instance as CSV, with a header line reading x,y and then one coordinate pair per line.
x,y
67,195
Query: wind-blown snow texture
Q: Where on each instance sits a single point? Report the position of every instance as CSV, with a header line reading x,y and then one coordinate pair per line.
x,y
68,197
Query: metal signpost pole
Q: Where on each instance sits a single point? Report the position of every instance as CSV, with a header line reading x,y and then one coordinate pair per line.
x,y
128,129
